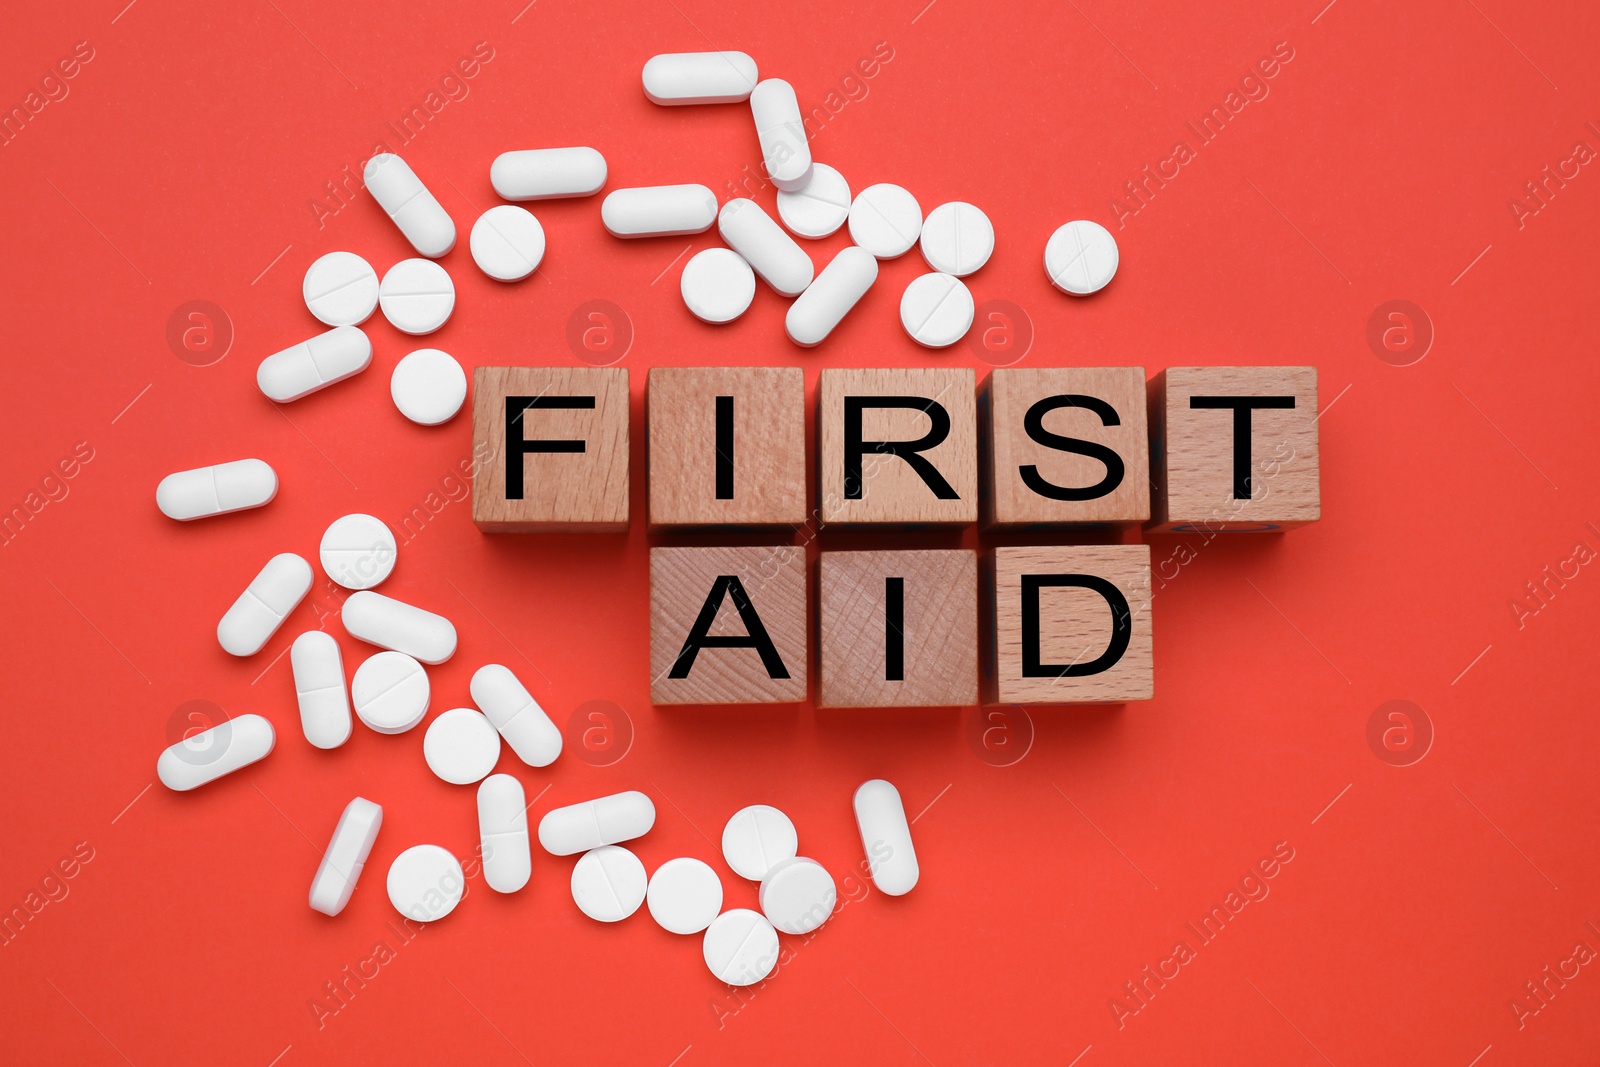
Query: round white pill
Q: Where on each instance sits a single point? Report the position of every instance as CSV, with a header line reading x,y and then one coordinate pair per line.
x,y
417,296
936,310
718,285
819,207
428,386
741,947
757,839
507,243
358,551
390,692
798,895
885,220
461,746
341,289
425,883
957,238
609,883
684,896
1081,257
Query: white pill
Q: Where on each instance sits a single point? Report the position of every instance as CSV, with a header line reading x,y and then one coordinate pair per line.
x,y
771,253
1081,257
503,833
607,821
318,668
357,551
842,283
420,216
346,854
394,624
757,839
885,220
264,604
428,386
315,364
936,310
511,709
658,210
798,895
957,238
548,173
417,296
460,746
426,883
717,285
341,289
390,692
507,243
699,77
886,837
685,895
608,884
218,489
740,947
210,754
782,133
819,207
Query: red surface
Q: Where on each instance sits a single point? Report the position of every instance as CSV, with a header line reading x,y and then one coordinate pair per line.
x,y
1379,166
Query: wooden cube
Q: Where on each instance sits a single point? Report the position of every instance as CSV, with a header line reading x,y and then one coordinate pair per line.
x,y
1235,449
728,625
727,446
898,446
1065,445
898,629
556,442
1072,625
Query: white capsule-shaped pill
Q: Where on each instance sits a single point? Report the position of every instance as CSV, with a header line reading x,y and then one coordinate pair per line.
x,y
511,709
548,173
315,364
210,754
609,883
699,77
740,947
264,604
390,692
503,833
658,210
318,670
782,133
415,210
398,626
798,895
216,490
886,837
346,854
341,289
606,821
771,253
842,283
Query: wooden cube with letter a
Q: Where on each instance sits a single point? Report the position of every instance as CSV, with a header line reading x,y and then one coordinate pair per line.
x,y
1072,625
1235,449
556,439
898,628
728,625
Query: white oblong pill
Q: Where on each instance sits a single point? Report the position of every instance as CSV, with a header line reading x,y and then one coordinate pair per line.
x,y
757,839
957,238
740,947
685,895
507,243
357,551
265,603
460,746
782,133
417,296
885,220
210,754
401,627
658,210
717,285
341,289
819,207
547,173
606,821
315,364
511,709
771,253
886,837
608,883
503,833
840,286
216,490
425,883
798,895
936,310
318,668
401,194
390,692
428,387
345,855
699,77
1081,257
